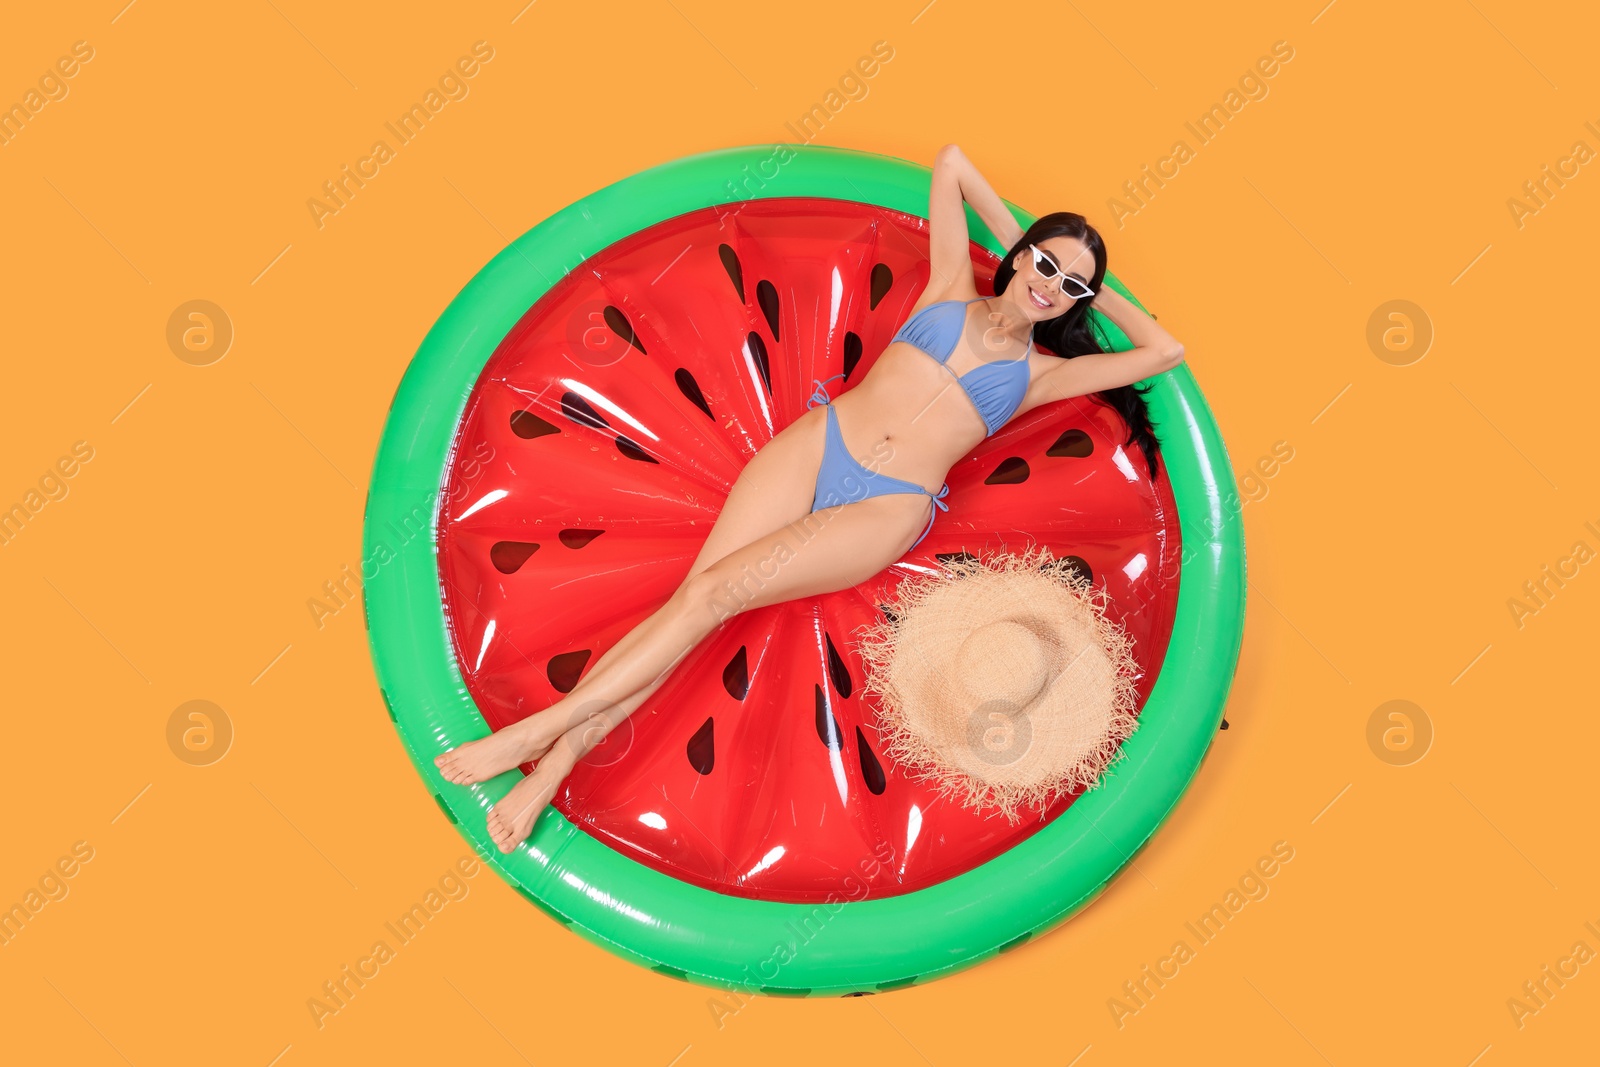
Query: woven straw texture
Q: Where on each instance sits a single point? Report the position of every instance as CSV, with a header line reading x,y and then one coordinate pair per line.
x,y
1002,680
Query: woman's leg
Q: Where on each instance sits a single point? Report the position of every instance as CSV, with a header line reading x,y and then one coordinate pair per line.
x,y
774,488
836,548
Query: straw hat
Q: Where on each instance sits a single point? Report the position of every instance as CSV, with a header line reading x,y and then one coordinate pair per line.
x,y
1002,680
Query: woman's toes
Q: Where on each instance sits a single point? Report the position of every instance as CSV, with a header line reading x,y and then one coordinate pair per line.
x,y
510,829
497,830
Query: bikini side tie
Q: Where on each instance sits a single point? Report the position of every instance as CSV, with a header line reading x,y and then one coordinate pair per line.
x,y
820,395
938,502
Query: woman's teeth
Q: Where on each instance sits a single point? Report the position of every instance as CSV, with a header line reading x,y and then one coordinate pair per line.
x,y
1037,299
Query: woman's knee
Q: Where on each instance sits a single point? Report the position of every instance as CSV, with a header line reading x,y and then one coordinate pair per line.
x,y
708,598
742,580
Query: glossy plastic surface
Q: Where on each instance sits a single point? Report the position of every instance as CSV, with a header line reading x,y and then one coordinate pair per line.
x,y
845,945
593,458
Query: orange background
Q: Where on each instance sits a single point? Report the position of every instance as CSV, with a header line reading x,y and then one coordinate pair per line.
x,y
218,499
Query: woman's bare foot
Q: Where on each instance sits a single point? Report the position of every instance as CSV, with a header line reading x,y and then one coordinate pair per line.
x,y
511,746
512,817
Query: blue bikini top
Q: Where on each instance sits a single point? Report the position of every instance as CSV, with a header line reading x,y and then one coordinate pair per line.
x,y
996,388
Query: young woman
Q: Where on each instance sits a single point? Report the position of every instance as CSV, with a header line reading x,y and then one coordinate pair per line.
x,y
841,492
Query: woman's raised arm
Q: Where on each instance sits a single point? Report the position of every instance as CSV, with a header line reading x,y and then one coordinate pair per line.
x,y
951,266
977,191
1144,331
1155,350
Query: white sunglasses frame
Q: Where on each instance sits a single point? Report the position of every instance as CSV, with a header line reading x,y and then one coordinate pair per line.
x,y
1039,256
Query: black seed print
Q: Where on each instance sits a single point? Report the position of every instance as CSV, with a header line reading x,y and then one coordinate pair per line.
x,y
1224,724
1071,565
882,281
1080,567
509,556
702,749
1011,471
565,670
626,446
767,297
578,410
691,389
1073,443
859,993
887,614
622,327
852,352
827,725
578,538
871,769
837,670
730,263
736,675
758,351
527,425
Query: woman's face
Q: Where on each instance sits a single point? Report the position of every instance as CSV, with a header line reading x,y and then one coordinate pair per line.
x,y
1043,297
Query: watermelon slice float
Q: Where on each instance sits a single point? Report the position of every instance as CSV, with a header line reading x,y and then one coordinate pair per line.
x,y
569,430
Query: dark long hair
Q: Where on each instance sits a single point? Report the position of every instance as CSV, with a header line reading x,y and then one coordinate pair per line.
x,y
1070,334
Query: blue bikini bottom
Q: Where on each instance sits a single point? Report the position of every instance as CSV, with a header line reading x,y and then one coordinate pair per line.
x,y
841,480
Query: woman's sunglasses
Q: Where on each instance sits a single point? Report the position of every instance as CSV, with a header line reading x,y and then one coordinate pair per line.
x,y
1048,268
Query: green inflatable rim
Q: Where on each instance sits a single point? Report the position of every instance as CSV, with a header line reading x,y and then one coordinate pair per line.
x,y
848,946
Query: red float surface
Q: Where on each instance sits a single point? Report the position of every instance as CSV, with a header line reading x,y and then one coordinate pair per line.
x,y
593,457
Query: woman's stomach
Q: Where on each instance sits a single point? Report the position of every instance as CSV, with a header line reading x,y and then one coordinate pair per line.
x,y
908,418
